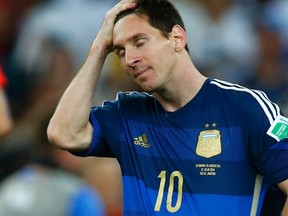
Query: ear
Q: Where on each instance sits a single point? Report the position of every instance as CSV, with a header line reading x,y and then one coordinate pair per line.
x,y
179,36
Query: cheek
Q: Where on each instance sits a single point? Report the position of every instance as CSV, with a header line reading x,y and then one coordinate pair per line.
x,y
128,70
165,55
159,54
165,50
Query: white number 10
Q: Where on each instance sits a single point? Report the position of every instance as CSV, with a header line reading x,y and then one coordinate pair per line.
x,y
169,206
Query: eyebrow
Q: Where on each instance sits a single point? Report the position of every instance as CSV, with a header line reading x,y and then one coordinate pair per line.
x,y
132,38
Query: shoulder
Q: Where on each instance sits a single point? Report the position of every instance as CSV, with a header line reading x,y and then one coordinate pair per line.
x,y
239,93
134,96
228,88
132,103
126,102
129,99
245,99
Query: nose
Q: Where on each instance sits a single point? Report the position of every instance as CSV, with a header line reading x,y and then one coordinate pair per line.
x,y
131,57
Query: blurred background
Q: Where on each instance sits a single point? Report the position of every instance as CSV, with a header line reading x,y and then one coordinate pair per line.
x,y
43,43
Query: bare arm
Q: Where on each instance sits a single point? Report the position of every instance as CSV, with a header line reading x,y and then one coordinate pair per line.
x,y
5,117
284,187
69,127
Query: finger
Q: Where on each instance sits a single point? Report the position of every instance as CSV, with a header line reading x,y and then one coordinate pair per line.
x,y
122,6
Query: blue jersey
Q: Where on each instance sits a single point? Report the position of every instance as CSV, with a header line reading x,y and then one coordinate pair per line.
x,y
212,156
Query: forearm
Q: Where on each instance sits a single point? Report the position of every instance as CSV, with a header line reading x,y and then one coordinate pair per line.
x,y
284,187
285,209
5,117
69,127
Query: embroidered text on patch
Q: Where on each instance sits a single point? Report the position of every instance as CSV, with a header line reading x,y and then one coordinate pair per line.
x,y
279,128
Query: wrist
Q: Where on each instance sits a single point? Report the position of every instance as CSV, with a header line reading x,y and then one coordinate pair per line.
x,y
100,48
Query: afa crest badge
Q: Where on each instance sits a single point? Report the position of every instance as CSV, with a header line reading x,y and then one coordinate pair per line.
x,y
209,143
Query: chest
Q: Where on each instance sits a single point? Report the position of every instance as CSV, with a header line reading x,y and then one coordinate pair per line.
x,y
188,138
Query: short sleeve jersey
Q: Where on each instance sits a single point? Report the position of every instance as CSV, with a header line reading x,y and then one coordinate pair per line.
x,y
212,155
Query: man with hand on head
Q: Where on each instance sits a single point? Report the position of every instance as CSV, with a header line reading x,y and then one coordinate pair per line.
x,y
188,144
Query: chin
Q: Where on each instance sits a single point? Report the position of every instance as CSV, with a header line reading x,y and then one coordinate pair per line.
x,y
148,89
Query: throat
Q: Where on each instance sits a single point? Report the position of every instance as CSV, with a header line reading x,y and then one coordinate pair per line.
x,y
172,104
174,100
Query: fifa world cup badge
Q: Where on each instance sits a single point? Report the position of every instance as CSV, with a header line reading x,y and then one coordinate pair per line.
x,y
279,128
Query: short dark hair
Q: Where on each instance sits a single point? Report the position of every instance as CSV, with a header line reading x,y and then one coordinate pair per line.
x,y
161,14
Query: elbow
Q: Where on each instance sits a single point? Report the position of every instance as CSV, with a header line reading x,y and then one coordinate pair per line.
x,y
56,137
5,129
53,135
64,138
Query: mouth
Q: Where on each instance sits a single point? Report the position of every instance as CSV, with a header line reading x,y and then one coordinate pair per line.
x,y
140,73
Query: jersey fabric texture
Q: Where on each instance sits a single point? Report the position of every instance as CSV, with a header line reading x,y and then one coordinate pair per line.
x,y
211,156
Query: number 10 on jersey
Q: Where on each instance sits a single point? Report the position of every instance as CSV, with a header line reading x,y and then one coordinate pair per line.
x,y
171,187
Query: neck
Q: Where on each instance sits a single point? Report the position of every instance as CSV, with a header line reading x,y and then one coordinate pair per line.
x,y
184,88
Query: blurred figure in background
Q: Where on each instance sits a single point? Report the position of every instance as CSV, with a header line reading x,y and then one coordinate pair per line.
x,y
44,93
222,39
74,23
11,14
5,116
49,185
47,53
271,72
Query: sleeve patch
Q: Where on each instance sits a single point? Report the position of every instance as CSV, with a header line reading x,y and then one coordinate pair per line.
x,y
279,128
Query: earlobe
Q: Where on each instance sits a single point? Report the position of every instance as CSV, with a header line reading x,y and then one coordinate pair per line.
x,y
179,37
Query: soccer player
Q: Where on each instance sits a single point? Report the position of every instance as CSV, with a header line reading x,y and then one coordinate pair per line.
x,y
187,145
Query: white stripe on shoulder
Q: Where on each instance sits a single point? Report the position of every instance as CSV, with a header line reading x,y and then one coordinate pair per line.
x,y
271,109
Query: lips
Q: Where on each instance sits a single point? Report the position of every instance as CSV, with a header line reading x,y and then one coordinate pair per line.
x,y
141,71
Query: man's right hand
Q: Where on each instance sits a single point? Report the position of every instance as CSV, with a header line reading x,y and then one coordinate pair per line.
x,y
104,36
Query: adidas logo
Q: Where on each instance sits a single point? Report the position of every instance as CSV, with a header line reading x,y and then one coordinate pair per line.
x,y
142,141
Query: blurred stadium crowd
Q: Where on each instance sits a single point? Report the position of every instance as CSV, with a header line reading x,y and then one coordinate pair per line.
x,y
44,42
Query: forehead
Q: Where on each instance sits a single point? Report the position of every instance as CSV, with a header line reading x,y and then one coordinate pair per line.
x,y
129,26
